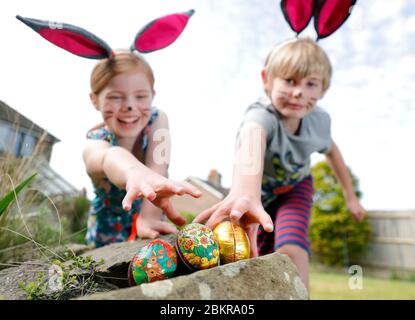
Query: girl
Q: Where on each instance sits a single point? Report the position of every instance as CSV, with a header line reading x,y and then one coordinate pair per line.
x,y
121,154
126,163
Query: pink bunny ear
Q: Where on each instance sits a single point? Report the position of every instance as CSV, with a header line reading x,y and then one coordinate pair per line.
x,y
298,13
161,32
70,38
329,15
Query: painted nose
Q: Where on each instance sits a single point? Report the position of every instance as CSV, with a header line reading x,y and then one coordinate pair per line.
x,y
297,93
127,108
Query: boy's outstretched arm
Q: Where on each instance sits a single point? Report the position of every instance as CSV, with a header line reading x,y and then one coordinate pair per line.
x,y
243,202
336,162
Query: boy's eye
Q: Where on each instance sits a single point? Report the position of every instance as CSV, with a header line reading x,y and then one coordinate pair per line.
x,y
312,84
141,97
114,97
290,81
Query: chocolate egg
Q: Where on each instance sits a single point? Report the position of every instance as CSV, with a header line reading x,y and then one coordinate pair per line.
x,y
197,247
233,242
157,260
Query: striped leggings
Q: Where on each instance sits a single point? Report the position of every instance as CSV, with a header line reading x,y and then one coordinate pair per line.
x,y
290,213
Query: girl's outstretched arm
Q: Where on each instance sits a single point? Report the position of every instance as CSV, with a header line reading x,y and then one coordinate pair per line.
x,y
336,162
124,170
243,202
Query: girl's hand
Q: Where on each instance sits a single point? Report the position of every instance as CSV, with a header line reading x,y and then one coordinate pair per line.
x,y
148,228
356,209
156,189
245,209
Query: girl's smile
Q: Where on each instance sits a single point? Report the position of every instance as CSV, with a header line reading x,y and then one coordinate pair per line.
x,y
128,123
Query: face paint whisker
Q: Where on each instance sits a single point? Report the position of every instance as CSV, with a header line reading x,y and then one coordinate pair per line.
x,y
283,93
108,114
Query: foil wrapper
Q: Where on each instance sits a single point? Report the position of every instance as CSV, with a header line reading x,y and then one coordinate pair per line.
x,y
157,260
197,247
233,242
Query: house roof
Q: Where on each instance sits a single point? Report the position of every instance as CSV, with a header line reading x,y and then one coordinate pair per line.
x,y
222,190
50,182
210,196
14,117
207,186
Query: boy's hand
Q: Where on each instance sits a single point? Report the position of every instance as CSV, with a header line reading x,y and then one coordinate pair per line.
x,y
234,207
251,230
156,189
148,228
356,209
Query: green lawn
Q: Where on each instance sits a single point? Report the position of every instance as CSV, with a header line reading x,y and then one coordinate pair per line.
x,y
334,286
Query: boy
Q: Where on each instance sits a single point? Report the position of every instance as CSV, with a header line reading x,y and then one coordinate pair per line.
x,y
275,141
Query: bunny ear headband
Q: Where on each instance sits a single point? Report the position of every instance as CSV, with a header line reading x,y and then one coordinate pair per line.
x,y
329,15
155,35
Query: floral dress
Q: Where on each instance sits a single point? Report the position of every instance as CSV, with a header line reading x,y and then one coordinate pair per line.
x,y
108,222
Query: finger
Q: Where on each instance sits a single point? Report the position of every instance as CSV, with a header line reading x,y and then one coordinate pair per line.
x,y
168,188
190,189
172,213
220,214
265,220
252,235
131,195
356,216
148,192
240,207
204,215
165,227
147,233
251,230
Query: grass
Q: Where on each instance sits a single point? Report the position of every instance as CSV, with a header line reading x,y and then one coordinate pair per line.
x,y
33,220
335,286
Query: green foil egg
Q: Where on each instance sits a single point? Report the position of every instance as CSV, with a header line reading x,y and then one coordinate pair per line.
x,y
157,260
197,247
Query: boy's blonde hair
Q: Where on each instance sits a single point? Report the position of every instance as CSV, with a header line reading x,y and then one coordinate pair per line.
x,y
121,62
297,59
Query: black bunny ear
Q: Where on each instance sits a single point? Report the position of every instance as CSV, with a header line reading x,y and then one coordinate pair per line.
x,y
298,13
161,32
70,38
329,15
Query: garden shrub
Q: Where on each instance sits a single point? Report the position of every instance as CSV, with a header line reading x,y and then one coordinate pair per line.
x,y
336,237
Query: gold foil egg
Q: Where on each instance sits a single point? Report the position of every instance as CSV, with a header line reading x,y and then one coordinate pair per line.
x,y
233,242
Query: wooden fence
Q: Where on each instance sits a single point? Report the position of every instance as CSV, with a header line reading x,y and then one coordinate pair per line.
x,y
393,240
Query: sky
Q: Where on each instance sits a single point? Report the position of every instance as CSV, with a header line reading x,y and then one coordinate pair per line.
x,y
210,75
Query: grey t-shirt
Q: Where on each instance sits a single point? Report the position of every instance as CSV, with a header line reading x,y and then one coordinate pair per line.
x,y
287,157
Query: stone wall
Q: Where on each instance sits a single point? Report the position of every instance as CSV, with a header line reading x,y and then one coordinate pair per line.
x,y
270,277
